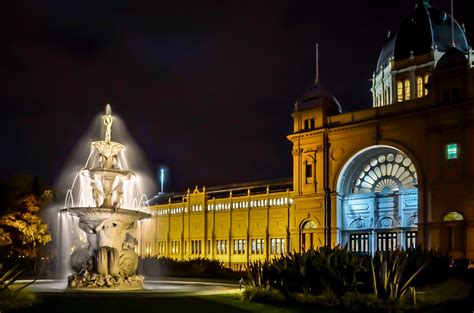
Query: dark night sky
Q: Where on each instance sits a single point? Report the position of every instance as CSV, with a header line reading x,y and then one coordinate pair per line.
x,y
205,88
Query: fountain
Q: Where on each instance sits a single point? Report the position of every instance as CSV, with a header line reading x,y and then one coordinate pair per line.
x,y
109,203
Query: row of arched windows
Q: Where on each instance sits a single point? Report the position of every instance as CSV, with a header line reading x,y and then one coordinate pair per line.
x,y
404,88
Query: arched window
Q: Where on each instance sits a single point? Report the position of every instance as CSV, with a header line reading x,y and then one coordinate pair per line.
x,y
399,91
386,173
453,234
427,76
453,217
407,89
419,87
309,225
308,236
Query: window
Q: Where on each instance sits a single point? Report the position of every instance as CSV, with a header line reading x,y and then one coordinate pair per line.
x,y
452,151
386,241
399,91
277,245
221,246
411,240
148,250
427,76
306,124
208,247
175,245
161,247
258,246
239,246
196,247
387,172
407,89
311,123
359,242
453,217
309,170
419,87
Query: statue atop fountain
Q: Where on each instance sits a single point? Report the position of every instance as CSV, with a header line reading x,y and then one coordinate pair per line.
x,y
109,206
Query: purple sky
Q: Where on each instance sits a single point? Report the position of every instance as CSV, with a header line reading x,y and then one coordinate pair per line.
x,y
205,89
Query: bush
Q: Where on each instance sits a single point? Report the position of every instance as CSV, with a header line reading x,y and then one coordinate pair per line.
x,y
359,302
336,270
258,274
263,295
326,299
165,266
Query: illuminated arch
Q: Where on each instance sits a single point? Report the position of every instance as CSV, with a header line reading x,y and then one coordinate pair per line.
x,y
377,205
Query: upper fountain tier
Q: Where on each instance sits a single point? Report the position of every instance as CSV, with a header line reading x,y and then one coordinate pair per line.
x,y
106,147
105,181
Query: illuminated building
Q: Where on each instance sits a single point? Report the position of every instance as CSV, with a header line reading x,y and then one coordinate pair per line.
x,y
387,177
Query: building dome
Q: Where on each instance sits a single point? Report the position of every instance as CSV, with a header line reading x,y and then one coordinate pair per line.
x,y
318,95
424,30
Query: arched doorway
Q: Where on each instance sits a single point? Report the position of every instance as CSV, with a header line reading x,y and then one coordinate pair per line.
x,y
453,234
378,201
308,235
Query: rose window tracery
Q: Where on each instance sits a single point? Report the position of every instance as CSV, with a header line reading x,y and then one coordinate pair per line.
x,y
386,173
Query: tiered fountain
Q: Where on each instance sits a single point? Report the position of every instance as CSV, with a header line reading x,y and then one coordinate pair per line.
x,y
109,204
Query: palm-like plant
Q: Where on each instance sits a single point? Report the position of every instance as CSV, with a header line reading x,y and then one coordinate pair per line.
x,y
389,277
13,296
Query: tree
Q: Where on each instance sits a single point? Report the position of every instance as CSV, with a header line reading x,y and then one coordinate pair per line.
x,y
22,230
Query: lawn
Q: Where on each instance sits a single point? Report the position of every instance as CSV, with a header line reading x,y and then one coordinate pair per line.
x,y
90,303
162,303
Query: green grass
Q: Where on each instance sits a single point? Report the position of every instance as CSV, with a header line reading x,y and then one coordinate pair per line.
x,y
450,296
116,303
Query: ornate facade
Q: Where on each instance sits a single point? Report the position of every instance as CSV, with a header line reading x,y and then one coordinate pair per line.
x,y
387,177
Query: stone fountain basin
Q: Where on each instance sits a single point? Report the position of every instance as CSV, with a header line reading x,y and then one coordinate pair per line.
x,y
93,216
168,286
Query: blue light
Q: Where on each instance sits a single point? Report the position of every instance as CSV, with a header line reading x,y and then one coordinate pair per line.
x,y
162,178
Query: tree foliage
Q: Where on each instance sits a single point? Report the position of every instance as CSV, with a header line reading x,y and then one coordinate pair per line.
x,y
22,230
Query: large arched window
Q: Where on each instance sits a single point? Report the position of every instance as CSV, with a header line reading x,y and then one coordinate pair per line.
x,y
407,87
378,208
419,87
399,91
385,173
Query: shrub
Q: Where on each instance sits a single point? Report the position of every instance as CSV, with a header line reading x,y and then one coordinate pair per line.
x,y
389,278
359,302
316,271
263,295
165,266
258,274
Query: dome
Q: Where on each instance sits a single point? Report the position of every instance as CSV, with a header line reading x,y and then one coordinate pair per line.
x,y
423,30
453,58
318,95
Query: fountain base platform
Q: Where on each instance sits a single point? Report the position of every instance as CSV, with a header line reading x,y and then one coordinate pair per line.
x,y
86,280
